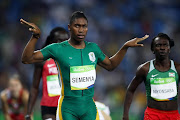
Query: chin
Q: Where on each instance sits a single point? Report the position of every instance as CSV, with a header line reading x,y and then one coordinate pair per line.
x,y
80,40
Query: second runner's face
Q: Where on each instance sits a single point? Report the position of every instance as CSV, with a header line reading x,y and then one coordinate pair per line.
x,y
161,47
79,29
60,36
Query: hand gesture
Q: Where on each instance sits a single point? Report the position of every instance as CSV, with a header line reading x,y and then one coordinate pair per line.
x,y
134,42
32,27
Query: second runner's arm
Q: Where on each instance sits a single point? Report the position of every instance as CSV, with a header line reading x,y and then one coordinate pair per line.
x,y
137,80
34,89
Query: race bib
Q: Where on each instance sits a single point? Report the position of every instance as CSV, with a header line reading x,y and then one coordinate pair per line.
x,y
163,88
82,77
53,86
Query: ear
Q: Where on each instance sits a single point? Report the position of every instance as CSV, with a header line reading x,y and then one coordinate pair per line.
x,y
69,27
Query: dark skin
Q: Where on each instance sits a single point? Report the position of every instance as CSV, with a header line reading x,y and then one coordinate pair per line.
x,y
78,30
162,64
59,36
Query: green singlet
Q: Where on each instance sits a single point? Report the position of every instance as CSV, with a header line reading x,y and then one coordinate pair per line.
x,y
162,86
77,72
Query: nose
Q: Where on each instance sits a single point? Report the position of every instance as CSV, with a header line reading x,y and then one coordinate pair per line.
x,y
81,29
162,47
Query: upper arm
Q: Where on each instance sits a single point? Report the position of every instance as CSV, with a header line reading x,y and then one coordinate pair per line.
x,y
139,77
36,57
43,54
105,63
4,102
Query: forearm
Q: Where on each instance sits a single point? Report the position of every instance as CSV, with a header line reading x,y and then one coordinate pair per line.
x,y
32,99
118,57
29,50
127,103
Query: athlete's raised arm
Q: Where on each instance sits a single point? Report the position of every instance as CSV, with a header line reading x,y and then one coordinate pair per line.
x,y
115,60
29,54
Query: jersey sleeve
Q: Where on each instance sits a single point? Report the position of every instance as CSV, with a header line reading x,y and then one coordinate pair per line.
x,y
49,52
100,54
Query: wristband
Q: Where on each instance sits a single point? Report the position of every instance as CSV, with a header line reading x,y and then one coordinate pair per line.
x,y
37,36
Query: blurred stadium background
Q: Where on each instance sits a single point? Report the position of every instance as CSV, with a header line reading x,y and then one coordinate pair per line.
x,y
111,23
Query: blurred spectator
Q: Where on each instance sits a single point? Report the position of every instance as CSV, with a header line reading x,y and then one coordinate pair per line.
x,y
14,100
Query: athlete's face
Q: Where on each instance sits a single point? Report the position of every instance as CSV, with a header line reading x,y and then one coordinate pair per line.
x,y
78,29
161,47
60,37
15,87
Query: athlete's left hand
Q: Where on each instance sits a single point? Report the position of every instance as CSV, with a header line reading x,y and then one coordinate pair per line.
x,y
134,42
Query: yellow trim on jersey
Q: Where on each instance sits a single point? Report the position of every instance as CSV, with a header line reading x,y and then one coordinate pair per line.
x,y
97,114
59,107
60,75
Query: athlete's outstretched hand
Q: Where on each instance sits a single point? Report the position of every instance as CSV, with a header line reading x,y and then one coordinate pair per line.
x,y
32,27
134,42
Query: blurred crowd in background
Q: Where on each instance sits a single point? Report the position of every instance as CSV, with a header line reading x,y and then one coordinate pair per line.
x,y
111,24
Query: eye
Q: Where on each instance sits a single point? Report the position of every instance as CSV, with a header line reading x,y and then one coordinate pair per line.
x,y
84,26
76,25
157,45
166,45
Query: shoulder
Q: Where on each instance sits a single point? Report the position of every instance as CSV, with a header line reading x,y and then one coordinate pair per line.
x,y
53,45
92,44
177,66
143,68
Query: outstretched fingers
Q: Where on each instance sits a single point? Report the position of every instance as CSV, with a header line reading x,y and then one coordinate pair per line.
x,y
26,23
32,27
143,38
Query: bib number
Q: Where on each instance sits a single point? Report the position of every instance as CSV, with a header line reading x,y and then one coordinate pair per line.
x,y
53,86
163,89
82,77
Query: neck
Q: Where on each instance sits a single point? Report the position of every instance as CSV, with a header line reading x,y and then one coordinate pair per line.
x,y
162,61
162,65
77,44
